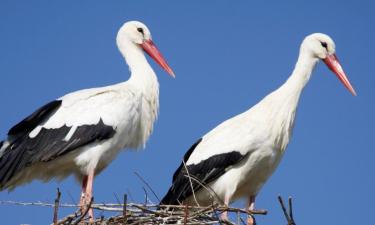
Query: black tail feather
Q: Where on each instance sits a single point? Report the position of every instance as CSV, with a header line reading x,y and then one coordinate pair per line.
x,y
170,198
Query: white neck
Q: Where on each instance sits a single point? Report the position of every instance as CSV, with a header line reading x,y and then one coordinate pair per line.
x,y
142,75
291,90
280,106
301,74
144,79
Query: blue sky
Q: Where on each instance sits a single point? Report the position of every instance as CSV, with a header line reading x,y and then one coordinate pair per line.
x,y
226,57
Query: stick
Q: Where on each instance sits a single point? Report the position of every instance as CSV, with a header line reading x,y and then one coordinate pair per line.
x,y
191,183
85,212
216,215
288,216
124,208
71,197
68,219
186,212
146,195
117,199
113,207
291,210
283,207
149,187
208,189
56,207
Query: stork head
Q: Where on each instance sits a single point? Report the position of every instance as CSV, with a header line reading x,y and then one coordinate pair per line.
x,y
137,34
321,46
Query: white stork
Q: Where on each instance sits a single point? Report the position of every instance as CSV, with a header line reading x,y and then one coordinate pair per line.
x,y
82,132
237,157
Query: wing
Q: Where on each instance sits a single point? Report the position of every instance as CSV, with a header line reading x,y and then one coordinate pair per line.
x,y
30,122
185,159
48,145
57,129
211,156
192,177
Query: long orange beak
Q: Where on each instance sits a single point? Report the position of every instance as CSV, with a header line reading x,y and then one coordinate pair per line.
x,y
333,64
150,48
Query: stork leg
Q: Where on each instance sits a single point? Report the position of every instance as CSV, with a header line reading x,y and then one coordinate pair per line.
x,y
86,195
83,193
224,215
90,181
251,206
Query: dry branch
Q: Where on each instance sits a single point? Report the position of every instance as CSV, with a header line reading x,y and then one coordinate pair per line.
x,y
133,214
288,215
56,207
150,214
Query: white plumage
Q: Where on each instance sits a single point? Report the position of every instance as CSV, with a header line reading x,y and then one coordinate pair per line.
x,y
236,158
82,132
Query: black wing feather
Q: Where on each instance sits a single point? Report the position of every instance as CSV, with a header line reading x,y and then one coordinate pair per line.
x,y
48,145
186,158
33,120
205,172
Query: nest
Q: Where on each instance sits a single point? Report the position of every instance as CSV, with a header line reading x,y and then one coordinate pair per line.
x,y
135,214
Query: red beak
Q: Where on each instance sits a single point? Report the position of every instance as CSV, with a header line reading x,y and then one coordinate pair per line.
x,y
149,47
334,65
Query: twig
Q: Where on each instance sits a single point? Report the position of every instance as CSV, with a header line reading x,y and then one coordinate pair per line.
x,y
215,213
130,195
145,209
146,195
85,212
56,207
71,197
291,210
283,207
118,207
186,212
191,183
124,209
203,210
208,189
149,187
289,217
249,212
68,219
133,214
117,199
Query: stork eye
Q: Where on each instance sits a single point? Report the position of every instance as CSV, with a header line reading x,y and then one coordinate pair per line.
x,y
140,30
324,45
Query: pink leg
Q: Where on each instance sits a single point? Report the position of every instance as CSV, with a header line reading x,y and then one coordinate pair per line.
x,y
251,203
251,206
86,195
83,192
224,215
90,181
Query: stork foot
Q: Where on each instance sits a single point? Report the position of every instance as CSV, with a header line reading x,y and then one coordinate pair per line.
x,y
224,216
84,204
91,216
251,220
86,196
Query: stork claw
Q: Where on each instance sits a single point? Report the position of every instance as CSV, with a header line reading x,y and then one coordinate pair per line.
x,y
224,216
85,206
251,220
